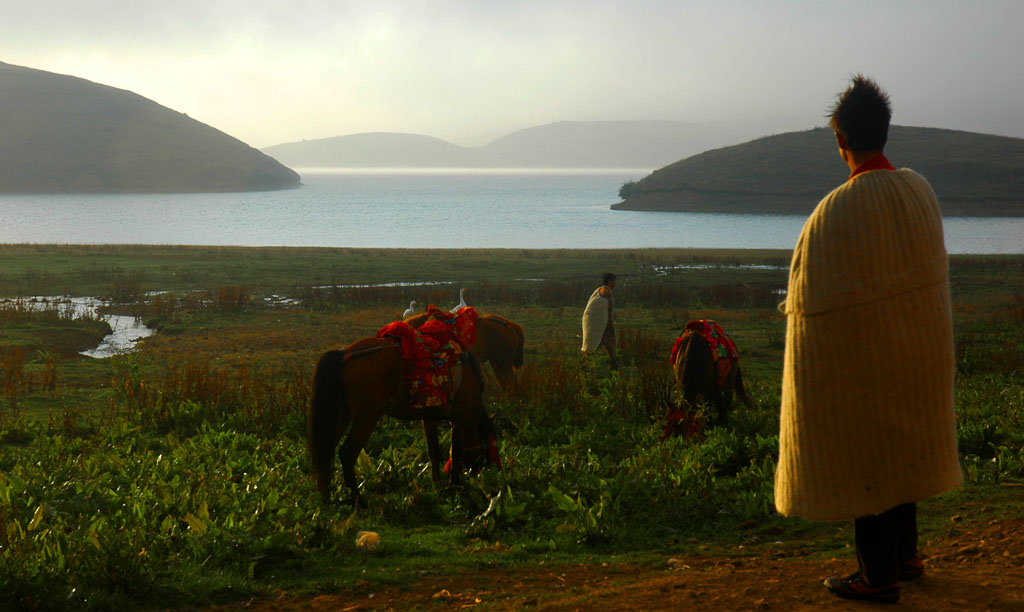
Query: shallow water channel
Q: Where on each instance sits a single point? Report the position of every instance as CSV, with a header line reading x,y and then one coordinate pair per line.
x,y
125,330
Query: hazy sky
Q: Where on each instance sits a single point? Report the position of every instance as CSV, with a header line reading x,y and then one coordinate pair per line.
x,y
273,71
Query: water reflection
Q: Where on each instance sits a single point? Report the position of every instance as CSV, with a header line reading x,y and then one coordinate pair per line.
x,y
125,330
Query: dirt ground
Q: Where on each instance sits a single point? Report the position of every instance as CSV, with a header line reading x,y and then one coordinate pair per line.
x,y
980,568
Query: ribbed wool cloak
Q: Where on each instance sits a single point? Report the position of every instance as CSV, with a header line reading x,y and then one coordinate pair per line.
x,y
595,319
867,417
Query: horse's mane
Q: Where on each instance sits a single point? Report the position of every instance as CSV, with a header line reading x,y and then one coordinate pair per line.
x,y
350,355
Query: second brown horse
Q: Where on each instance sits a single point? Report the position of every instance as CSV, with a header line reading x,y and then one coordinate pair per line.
x,y
699,376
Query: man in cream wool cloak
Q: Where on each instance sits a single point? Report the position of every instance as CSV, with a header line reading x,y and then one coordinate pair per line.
x,y
598,328
867,422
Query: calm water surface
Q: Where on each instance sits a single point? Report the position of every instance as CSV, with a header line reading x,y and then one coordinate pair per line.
x,y
426,209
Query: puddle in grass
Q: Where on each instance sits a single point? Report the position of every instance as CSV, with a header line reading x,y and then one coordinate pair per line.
x,y
125,330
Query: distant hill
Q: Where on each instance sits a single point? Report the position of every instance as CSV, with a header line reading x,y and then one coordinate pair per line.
x,y
972,174
62,134
374,150
566,144
610,144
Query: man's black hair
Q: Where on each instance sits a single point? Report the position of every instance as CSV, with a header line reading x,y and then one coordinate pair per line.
x,y
861,115
607,277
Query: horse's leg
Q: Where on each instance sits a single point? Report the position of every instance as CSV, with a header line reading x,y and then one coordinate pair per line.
x,y
354,444
456,471
741,391
713,398
690,395
468,418
430,427
722,403
725,391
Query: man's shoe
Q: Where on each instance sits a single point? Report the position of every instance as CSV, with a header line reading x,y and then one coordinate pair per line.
x,y
911,569
855,587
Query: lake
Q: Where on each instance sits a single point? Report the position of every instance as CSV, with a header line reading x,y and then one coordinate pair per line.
x,y
426,209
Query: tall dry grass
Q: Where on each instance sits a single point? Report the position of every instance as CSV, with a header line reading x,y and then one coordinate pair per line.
x,y
264,399
12,364
545,293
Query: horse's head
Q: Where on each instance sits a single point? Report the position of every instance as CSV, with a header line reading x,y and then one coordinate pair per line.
x,y
680,420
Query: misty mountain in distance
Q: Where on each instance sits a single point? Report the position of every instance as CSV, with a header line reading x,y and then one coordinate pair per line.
x,y
63,134
373,150
565,144
611,144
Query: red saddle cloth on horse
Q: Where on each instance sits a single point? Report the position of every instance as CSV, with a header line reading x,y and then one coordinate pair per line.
x,y
723,350
431,352
462,324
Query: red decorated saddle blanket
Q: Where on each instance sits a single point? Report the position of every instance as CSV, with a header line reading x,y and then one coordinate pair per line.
x,y
461,324
432,351
723,350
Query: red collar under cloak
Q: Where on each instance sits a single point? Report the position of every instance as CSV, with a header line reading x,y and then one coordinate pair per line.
x,y
878,162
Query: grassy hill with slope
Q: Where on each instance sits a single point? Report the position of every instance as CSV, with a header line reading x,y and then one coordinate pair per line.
x,y
62,134
972,174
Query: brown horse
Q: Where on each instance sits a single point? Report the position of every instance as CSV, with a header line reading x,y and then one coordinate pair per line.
x,y
499,341
355,386
699,377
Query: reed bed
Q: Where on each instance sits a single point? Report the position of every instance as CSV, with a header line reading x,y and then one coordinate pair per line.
x,y
547,293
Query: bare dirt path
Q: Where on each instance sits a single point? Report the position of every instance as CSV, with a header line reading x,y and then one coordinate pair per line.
x,y
980,568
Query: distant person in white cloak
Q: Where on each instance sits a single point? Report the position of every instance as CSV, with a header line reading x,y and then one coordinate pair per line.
x,y
598,329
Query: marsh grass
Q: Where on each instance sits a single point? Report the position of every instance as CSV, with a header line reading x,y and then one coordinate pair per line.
x,y
546,293
23,374
37,340
180,473
270,400
231,297
95,269
12,362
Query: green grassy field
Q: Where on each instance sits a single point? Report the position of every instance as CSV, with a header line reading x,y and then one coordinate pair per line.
x,y
178,473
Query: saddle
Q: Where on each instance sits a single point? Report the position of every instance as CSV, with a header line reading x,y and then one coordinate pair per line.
x,y
723,350
431,353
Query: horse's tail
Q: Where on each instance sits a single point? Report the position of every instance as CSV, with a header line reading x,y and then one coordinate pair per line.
x,y
741,391
327,408
697,365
